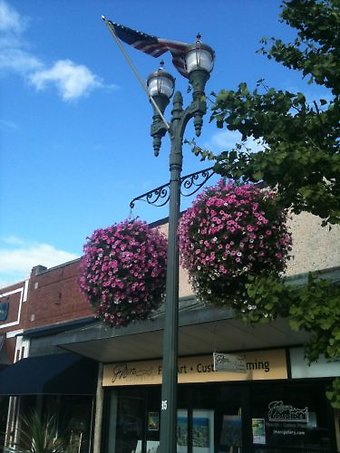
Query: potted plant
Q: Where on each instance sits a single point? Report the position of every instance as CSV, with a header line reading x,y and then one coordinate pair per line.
x,y
231,232
38,434
122,271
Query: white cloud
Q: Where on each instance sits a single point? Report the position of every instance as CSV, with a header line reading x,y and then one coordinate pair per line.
x,y
17,257
10,20
226,140
18,60
13,49
71,80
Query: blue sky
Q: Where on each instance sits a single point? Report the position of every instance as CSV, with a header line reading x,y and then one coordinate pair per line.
x,y
74,121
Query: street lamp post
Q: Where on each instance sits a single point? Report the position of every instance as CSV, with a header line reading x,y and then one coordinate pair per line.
x,y
199,60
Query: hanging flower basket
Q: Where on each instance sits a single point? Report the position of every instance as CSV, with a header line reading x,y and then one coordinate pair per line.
x,y
232,232
123,271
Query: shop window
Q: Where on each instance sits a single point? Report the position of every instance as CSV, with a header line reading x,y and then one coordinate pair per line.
x,y
4,404
74,419
209,420
257,417
222,408
290,418
4,310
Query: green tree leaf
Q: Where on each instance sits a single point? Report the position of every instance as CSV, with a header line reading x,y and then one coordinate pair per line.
x,y
300,157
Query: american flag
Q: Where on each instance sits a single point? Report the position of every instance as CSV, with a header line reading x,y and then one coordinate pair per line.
x,y
152,45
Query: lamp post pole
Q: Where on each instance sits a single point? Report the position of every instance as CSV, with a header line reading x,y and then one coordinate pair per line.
x,y
170,335
199,63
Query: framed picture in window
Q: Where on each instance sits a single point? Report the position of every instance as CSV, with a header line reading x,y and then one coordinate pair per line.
x,y
153,421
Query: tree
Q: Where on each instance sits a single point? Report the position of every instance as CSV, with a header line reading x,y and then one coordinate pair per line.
x,y
299,157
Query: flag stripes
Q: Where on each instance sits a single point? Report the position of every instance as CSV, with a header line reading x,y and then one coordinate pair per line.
x,y
152,45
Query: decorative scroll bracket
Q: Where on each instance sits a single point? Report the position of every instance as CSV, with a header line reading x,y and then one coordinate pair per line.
x,y
189,185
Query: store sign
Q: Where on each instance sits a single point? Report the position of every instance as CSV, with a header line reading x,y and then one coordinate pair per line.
x,y
286,421
229,362
261,365
286,413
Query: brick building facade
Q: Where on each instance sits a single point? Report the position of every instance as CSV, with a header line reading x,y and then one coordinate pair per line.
x,y
47,315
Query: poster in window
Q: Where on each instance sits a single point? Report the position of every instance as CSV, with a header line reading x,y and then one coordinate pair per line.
x,y
182,431
202,431
231,433
259,431
153,421
152,446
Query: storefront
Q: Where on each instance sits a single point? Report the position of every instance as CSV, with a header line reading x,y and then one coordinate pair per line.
x,y
60,385
259,409
276,404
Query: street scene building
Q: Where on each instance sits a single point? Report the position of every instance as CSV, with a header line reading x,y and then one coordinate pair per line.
x,y
106,381
214,330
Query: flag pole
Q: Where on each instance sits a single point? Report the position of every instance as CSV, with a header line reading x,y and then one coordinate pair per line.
x,y
132,66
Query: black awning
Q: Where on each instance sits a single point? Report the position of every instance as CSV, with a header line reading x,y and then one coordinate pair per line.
x,y
58,374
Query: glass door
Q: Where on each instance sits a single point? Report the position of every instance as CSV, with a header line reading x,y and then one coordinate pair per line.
x,y
130,424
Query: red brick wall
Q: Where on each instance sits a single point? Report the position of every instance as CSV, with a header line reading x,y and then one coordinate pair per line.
x,y
15,296
54,297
